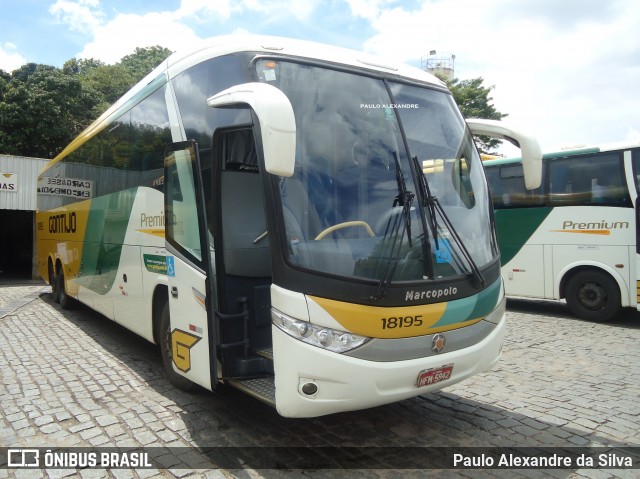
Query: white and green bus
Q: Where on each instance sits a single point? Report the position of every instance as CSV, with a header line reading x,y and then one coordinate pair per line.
x,y
576,236
257,208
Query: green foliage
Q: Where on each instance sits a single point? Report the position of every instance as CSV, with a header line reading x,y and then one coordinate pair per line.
x,y
39,106
144,60
42,108
474,102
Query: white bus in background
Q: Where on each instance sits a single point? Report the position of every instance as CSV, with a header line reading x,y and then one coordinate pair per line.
x,y
257,208
575,237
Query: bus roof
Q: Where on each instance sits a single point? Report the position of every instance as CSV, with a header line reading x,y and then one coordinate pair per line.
x,y
223,45
566,153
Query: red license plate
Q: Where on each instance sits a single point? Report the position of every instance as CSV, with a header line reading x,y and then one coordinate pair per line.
x,y
434,375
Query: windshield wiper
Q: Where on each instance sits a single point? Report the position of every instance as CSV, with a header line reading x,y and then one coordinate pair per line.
x,y
404,199
436,208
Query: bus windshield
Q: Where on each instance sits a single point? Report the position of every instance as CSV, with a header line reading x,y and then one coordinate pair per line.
x,y
353,207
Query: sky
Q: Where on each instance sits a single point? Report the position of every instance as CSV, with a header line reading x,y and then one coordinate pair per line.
x,y
565,71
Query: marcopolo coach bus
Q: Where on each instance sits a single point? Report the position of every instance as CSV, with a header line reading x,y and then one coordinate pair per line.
x,y
576,236
258,208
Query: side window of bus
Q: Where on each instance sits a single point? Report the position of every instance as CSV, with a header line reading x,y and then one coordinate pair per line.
x,y
635,158
506,183
192,88
127,153
596,179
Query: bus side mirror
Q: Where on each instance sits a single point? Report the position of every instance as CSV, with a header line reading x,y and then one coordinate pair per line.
x,y
531,153
277,122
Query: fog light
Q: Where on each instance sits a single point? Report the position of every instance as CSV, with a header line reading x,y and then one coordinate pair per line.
x,y
309,389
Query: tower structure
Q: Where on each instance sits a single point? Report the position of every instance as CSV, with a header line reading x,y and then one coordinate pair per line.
x,y
441,64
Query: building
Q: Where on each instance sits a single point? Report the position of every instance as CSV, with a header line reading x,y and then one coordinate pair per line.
x,y
18,185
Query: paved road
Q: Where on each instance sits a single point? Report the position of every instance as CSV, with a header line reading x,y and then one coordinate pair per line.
x,y
74,378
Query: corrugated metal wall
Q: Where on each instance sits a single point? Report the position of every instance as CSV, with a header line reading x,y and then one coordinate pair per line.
x,y
27,170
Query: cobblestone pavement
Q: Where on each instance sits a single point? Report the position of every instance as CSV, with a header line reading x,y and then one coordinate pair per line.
x,y
74,378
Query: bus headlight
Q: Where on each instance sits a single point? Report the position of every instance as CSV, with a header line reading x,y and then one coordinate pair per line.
x,y
325,338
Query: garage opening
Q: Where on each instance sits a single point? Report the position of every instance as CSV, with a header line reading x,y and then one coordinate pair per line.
x,y
16,244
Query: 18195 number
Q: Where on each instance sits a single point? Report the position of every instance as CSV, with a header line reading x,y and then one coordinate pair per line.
x,y
401,322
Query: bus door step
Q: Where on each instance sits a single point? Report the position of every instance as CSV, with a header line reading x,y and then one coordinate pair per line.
x,y
263,389
265,353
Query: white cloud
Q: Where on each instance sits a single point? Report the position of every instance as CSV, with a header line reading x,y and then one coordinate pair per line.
x,y
632,134
10,58
566,71
221,9
368,9
119,36
125,32
81,15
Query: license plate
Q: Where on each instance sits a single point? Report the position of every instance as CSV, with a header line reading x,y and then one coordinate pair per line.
x,y
434,375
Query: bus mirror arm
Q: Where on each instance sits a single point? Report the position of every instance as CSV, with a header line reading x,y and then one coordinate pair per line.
x,y
276,118
531,153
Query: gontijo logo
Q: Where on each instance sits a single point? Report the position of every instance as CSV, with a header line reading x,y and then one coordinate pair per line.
x,y
602,227
63,223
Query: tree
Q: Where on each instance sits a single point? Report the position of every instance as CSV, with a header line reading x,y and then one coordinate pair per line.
x,y
79,66
474,102
42,108
143,61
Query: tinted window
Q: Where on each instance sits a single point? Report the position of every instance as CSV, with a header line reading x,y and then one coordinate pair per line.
x,y
506,183
576,180
194,86
127,153
596,179
635,155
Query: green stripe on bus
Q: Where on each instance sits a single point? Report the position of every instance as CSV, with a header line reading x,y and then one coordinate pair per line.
x,y
515,226
106,229
474,307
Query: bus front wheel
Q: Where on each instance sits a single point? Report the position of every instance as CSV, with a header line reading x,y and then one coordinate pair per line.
x,y
593,295
167,355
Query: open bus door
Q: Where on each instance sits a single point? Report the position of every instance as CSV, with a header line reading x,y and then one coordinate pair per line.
x,y
188,340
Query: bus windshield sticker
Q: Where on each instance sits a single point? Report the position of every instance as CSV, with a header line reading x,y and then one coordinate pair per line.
x,y
443,253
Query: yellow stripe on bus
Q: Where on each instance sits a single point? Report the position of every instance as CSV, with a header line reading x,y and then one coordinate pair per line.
x,y
385,322
153,231
585,232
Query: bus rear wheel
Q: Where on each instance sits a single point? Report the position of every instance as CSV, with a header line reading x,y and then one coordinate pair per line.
x,y
66,301
167,355
593,295
53,281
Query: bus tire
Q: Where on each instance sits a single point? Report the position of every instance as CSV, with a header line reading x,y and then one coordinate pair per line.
x,y
53,281
66,301
593,295
175,379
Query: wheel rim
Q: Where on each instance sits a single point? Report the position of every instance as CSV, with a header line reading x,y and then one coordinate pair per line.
x,y
592,296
